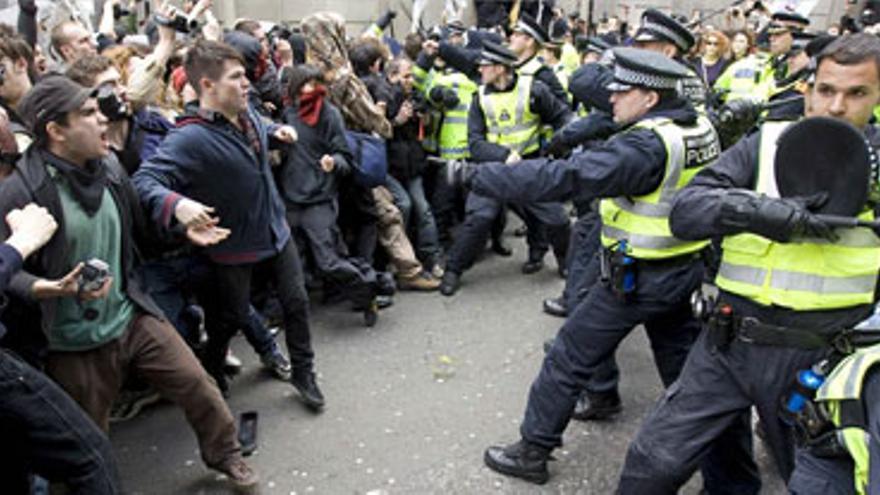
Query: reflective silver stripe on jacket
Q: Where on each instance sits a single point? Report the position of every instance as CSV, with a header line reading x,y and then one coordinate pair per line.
x,y
806,282
643,241
522,88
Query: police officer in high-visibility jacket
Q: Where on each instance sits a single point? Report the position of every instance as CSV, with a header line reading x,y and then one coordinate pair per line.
x,y
649,273
661,33
788,283
525,42
849,405
504,124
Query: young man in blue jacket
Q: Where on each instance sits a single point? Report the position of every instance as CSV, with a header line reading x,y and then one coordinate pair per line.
x,y
216,163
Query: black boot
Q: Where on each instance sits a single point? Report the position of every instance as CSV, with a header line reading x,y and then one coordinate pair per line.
x,y
555,306
532,266
597,406
521,459
450,284
500,248
304,382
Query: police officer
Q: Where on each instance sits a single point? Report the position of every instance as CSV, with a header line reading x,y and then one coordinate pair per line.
x,y
650,272
845,456
551,52
450,91
786,281
504,124
525,42
780,31
661,33
786,93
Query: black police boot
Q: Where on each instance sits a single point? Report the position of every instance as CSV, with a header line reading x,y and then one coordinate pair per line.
x,y
521,459
597,406
555,306
450,284
304,382
532,266
501,249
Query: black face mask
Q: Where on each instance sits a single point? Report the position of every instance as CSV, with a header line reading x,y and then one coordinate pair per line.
x,y
111,106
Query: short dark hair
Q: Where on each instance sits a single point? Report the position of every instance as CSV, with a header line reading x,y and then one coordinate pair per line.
x,y
363,54
206,59
16,48
86,68
299,76
851,49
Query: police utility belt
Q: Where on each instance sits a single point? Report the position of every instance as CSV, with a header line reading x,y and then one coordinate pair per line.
x,y
724,325
620,270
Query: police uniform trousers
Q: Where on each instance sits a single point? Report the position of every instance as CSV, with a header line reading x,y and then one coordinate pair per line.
x,y
481,211
582,261
715,388
585,346
834,476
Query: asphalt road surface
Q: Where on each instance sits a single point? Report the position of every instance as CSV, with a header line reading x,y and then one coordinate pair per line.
x,y
411,403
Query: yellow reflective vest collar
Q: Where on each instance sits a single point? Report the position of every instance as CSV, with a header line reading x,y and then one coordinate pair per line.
x,y
644,220
842,396
806,274
509,118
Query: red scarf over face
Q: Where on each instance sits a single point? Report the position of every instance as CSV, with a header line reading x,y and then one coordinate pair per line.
x,y
310,104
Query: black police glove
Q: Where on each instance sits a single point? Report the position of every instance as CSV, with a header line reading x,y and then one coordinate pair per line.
x,y
778,219
557,147
386,18
450,99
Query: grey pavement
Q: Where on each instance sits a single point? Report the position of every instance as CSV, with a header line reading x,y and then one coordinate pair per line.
x,y
411,403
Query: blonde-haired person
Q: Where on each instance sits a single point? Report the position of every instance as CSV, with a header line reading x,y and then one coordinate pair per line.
x,y
712,56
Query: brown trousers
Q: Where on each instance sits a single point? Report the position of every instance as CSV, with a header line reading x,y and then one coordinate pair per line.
x,y
154,351
392,235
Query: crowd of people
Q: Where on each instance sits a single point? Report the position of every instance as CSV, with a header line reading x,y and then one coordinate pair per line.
x,y
167,183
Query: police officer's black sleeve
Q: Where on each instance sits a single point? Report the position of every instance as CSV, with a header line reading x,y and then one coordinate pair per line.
x,y
425,61
481,149
27,21
696,212
596,125
630,164
461,59
551,110
548,77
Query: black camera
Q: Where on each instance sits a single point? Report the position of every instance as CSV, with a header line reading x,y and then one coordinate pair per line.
x,y
110,104
179,23
93,275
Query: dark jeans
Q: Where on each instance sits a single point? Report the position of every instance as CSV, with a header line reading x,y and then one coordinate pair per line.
x,y
174,281
231,303
45,432
409,197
